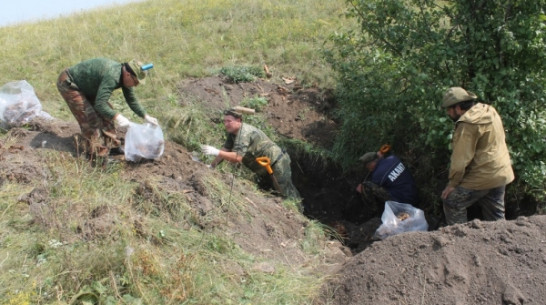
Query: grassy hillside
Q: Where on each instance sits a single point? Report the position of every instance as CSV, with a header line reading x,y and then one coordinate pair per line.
x,y
75,234
189,38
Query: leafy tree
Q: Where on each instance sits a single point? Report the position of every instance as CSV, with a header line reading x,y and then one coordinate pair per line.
x,y
395,67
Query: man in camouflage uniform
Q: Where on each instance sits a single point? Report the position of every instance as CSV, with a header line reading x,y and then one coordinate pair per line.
x,y
87,87
480,163
245,143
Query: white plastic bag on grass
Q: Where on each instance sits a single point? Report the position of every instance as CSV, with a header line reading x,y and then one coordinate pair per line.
x,y
143,141
400,217
19,104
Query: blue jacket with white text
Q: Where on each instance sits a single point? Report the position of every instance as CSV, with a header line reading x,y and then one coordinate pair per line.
x,y
391,174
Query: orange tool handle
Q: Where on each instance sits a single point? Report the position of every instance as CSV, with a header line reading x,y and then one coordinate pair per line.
x,y
385,148
265,162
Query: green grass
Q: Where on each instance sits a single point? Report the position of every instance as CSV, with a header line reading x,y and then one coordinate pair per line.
x,y
191,38
153,250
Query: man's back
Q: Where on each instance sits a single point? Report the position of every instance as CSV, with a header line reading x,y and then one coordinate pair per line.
x,y
393,175
480,158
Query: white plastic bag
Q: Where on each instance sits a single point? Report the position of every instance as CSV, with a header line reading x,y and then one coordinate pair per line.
x,y
143,141
400,217
19,104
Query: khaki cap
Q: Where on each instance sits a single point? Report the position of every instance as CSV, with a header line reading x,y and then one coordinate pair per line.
x,y
456,95
238,111
233,112
136,66
368,157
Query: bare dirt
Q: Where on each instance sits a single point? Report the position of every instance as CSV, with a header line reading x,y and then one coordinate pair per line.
x,y
501,262
478,262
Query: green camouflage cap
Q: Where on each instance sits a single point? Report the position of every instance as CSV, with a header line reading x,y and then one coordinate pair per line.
x,y
368,157
456,95
136,67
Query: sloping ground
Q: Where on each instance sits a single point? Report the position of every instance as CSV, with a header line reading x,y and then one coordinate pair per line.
x,y
501,262
265,228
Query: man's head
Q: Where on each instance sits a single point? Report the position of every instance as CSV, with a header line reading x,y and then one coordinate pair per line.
x,y
455,95
232,120
134,68
370,160
456,101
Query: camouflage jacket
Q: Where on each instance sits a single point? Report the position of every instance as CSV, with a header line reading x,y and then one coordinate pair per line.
x,y
250,142
96,79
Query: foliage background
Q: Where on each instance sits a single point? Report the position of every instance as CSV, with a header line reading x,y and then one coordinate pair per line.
x,y
394,70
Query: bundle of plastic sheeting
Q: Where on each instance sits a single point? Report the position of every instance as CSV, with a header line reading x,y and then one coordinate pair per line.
x,y
400,217
143,141
19,104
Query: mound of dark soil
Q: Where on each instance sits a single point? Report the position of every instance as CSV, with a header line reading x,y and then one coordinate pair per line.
x,y
502,262
293,111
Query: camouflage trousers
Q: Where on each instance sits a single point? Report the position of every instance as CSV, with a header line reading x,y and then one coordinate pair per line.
x,y
98,133
490,201
374,196
283,174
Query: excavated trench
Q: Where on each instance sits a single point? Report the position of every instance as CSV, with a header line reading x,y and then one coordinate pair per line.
x,y
329,196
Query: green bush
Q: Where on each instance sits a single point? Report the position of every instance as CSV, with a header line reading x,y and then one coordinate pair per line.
x,y
393,72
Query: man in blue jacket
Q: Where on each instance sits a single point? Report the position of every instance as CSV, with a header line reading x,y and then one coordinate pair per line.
x,y
390,180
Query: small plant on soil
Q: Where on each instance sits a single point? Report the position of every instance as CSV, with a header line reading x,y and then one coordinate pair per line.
x,y
238,74
257,103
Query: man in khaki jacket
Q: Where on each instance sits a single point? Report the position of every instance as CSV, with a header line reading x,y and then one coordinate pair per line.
x,y
480,163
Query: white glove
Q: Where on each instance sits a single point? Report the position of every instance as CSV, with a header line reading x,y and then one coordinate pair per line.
x,y
151,120
122,121
209,150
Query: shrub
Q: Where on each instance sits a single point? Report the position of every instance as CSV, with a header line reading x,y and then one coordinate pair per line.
x,y
393,72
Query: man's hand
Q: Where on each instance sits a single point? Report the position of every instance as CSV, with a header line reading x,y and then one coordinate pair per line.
x,y
359,188
447,191
209,150
151,120
122,121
